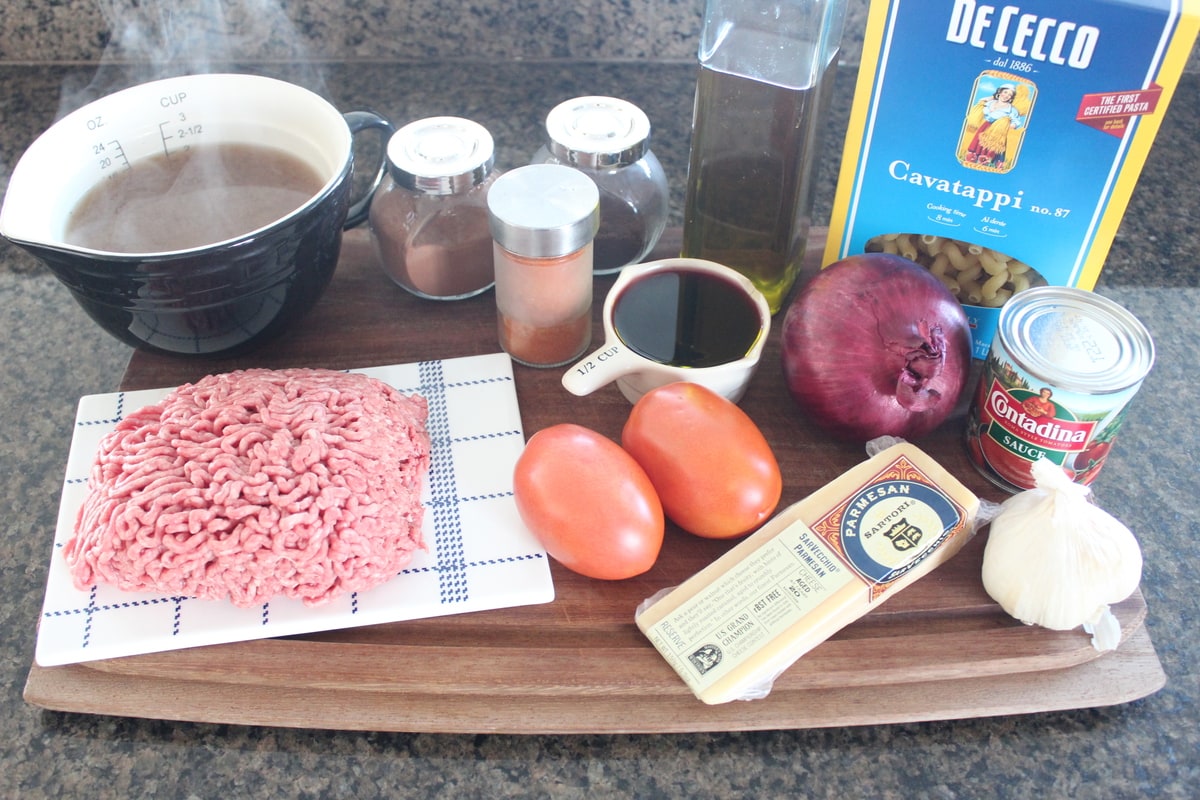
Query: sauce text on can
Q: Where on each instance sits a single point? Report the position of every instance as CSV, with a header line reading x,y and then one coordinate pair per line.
x,y
1062,369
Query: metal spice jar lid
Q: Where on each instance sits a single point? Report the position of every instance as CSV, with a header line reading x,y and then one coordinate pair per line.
x,y
543,210
597,132
440,155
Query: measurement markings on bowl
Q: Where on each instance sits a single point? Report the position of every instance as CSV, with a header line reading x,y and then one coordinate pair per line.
x,y
180,131
176,134
109,155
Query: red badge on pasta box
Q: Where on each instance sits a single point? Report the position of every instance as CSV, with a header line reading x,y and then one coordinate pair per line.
x,y
1011,165
1111,111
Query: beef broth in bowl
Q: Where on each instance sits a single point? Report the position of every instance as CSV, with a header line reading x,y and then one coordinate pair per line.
x,y
205,194
168,256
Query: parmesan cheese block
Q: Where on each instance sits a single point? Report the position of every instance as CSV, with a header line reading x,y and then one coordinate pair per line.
x,y
817,566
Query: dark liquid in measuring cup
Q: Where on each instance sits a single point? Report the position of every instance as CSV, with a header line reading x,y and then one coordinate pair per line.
x,y
206,194
686,319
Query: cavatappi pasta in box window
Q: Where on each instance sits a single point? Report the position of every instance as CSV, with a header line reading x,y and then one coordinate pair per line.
x,y
976,275
998,145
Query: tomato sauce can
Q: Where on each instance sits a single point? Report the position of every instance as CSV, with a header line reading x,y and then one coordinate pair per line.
x,y
1057,382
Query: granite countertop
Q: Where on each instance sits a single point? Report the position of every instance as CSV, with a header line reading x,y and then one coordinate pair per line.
x,y
54,354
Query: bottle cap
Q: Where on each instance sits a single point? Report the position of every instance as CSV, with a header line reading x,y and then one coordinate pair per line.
x,y
543,210
597,132
440,155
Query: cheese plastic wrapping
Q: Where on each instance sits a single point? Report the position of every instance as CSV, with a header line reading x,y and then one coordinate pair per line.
x,y
731,629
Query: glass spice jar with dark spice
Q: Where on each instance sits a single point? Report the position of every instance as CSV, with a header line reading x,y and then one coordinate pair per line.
x,y
608,140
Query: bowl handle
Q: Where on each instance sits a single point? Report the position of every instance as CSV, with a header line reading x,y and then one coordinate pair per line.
x,y
362,121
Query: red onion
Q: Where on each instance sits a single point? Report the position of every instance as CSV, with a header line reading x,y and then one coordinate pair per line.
x,y
875,345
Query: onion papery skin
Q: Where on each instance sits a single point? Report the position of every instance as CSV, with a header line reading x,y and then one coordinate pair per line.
x,y
875,345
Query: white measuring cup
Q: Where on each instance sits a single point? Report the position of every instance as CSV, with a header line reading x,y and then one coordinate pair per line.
x,y
636,373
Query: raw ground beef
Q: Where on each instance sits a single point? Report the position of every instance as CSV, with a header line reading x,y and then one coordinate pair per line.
x,y
256,484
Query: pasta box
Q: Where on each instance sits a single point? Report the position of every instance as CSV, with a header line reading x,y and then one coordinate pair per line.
x,y
998,145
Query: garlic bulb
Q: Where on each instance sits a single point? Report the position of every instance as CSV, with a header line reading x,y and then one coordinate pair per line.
x,y
1056,559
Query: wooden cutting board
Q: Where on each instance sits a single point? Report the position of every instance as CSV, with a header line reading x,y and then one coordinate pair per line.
x,y
939,650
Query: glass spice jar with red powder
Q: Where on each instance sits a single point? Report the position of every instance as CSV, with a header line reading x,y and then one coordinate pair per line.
x,y
543,220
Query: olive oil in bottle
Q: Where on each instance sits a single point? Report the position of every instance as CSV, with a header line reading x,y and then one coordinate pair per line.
x,y
760,93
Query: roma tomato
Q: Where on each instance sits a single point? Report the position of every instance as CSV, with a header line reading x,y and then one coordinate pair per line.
x,y
713,469
588,503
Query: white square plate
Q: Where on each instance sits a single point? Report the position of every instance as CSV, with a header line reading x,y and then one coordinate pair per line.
x,y
480,556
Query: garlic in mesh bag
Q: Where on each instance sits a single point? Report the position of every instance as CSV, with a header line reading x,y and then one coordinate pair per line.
x,y
1056,559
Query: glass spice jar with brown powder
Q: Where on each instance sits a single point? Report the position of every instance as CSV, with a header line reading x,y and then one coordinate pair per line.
x,y
429,218
544,218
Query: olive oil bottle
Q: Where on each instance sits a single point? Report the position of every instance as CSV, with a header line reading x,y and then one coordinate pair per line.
x,y
765,77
